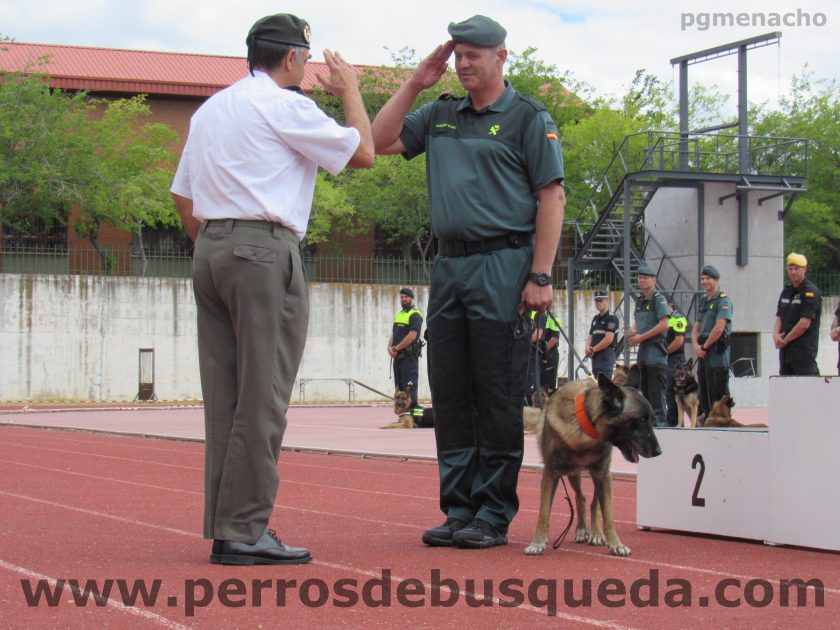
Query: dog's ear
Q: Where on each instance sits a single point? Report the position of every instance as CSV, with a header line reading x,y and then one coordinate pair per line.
x,y
613,397
730,402
690,365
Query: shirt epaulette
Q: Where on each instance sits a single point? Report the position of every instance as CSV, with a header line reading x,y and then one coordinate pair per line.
x,y
723,295
531,101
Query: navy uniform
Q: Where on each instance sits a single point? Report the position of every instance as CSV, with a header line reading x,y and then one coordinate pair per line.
x,y
545,356
603,362
799,358
406,363
652,356
485,169
677,326
837,324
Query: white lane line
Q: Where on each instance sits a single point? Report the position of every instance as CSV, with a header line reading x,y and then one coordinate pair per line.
x,y
145,615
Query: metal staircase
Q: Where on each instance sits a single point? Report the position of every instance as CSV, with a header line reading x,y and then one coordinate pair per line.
x,y
614,212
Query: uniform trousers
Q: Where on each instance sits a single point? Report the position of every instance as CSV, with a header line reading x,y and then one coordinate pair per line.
x,y
652,387
797,363
670,395
253,313
407,373
712,384
478,359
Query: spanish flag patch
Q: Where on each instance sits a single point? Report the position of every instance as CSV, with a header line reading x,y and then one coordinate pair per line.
x,y
551,135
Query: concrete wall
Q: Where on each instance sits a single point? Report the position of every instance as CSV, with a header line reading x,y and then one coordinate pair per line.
x,y
78,337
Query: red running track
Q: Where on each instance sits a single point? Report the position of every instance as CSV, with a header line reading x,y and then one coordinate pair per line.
x,y
79,505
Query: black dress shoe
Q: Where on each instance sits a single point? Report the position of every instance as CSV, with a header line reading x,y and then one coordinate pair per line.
x,y
479,535
267,550
441,536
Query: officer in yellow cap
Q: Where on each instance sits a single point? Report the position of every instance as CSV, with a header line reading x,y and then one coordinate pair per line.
x,y
797,330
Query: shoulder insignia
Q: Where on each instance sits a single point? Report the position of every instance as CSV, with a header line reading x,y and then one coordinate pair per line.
x,y
809,294
723,295
531,101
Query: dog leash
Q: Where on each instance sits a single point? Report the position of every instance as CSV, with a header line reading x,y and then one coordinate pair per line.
x,y
562,535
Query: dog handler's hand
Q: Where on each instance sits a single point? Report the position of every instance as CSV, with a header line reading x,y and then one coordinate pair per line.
x,y
537,298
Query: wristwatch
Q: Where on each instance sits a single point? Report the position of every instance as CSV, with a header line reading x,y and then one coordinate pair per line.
x,y
540,279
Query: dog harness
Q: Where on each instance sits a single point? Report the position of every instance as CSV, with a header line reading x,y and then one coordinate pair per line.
x,y
582,417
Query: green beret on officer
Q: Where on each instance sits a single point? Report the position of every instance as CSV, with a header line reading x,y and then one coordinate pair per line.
x,y
479,30
281,28
645,270
710,271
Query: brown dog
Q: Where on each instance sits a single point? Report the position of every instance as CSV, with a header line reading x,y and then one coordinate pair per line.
x,y
720,415
576,431
628,376
685,393
410,417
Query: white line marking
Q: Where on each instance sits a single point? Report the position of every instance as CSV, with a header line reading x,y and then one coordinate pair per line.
x,y
145,615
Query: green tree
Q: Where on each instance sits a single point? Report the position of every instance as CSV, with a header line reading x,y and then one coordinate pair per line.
x,y
128,173
811,110
42,149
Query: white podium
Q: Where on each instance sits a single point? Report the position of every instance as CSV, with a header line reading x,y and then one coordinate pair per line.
x,y
774,485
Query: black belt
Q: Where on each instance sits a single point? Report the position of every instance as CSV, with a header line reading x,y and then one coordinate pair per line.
x,y
512,240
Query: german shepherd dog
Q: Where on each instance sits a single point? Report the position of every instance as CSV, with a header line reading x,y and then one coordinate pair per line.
x,y
576,431
720,415
410,417
628,376
685,393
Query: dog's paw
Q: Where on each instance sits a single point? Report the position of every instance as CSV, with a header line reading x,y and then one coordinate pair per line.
x,y
581,535
619,550
596,539
535,549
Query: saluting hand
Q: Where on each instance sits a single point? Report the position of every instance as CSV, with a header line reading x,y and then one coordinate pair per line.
x,y
342,77
433,67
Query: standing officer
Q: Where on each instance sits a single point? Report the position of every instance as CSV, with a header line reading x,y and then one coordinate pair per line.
x,y
404,344
675,343
245,182
796,332
710,340
651,322
835,333
600,345
494,169
545,354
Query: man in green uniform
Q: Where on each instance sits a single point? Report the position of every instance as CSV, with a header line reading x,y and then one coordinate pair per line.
x,y
651,317
710,340
494,169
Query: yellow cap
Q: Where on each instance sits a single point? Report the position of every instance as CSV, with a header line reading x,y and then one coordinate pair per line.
x,y
797,259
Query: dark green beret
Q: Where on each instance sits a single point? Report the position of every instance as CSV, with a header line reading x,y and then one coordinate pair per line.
x,y
710,271
407,291
645,270
478,31
282,28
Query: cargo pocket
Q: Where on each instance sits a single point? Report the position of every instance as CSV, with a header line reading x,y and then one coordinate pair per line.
x,y
255,254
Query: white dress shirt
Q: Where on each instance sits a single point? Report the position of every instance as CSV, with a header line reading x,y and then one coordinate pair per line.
x,y
253,151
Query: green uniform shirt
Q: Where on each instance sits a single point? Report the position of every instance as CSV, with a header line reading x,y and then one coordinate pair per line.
x,y
483,168
709,311
647,315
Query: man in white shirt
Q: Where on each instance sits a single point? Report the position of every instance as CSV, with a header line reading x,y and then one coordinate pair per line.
x,y
244,191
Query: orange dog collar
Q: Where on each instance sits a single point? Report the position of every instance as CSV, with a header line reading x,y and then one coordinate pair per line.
x,y
583,419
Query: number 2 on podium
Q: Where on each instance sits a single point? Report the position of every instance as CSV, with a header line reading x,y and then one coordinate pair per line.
x,y
698,461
